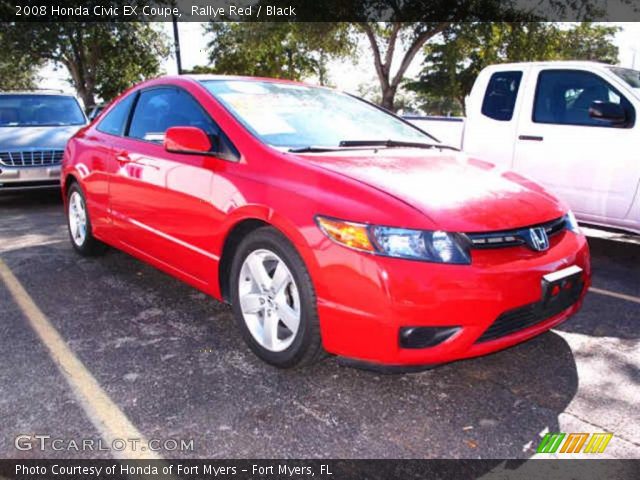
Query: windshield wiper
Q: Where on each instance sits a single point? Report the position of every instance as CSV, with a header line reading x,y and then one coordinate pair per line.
x,y
369,143
392,144
312,149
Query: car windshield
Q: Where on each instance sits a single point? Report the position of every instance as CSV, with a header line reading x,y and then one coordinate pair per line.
x,y
295,116
632,77
39,111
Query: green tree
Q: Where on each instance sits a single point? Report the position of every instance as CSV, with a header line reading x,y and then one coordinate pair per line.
x,y
102,59
383,40
16,71
588,41
282,50
452,65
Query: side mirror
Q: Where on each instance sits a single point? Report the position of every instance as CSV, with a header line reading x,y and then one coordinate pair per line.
x,y
186,140
609,111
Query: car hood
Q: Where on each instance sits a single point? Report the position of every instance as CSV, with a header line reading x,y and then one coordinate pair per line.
x,y
27,138
455,192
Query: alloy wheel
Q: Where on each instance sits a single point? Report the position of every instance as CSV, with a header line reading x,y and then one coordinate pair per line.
x,y
77,219
269,300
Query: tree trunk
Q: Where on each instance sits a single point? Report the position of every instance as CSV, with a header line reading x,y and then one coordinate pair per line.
x,y
388,97
463,107
88,98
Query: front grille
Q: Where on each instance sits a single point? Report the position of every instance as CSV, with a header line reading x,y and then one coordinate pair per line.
x,y
520,318
31,158
512,238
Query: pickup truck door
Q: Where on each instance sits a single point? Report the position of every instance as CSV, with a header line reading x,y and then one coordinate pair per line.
x,y
592,164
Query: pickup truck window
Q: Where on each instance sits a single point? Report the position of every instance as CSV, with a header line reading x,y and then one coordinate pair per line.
x,y
563,97
500,97
632,77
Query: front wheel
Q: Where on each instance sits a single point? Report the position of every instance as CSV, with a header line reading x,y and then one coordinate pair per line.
x,y
79,224
273,300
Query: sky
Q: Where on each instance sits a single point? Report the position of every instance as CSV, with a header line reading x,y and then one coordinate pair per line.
x,y
193,44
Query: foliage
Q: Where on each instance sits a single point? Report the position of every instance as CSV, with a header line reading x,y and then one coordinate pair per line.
x,y
452,65
102,58
281,50
16,72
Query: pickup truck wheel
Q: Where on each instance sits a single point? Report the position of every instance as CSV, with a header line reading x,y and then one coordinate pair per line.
x,y
274,302
79,224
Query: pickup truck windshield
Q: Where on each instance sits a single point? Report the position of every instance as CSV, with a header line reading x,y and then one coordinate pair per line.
x,y
632,77
298,116
39,111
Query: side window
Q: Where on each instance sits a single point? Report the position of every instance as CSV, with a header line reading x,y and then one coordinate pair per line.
x,y
500,97
564,97
115,121
159,109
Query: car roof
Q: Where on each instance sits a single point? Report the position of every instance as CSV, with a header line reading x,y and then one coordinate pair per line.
x,y
207,76
552,63
54,93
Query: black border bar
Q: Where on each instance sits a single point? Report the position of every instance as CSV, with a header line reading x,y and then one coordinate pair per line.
x,y
318,11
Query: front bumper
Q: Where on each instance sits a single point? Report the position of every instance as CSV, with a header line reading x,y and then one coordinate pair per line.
x,y
364,300
29,178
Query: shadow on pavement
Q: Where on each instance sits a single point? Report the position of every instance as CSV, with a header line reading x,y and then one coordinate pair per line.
x,y
30,199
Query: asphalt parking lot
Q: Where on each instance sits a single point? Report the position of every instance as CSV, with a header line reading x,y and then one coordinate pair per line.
x,y
171,365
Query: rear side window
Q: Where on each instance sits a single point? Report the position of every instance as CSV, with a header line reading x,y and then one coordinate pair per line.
x,y
500,97
563,97
114,122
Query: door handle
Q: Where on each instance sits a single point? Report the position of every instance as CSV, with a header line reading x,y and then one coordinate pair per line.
x,y
533,138
123,158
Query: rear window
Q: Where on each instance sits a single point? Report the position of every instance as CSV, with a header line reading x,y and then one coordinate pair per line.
x,y
500,97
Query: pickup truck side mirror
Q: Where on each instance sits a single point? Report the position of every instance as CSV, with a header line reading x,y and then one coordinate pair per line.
x,y
186,140
609,111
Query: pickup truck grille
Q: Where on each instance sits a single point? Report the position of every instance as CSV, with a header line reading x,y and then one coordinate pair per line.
x,y
512,238
31,158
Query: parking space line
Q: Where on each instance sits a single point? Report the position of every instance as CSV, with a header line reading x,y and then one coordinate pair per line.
x,y
609,293
105,415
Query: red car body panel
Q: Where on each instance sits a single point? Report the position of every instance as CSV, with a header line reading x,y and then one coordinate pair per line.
x,y
176,212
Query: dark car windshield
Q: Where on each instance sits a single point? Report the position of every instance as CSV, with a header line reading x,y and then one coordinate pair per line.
x,y
293,116
39,111
632,77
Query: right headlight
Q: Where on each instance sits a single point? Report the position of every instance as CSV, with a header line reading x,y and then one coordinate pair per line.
x,y
424,245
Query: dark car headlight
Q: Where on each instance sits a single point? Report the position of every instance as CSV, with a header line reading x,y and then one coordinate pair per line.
x,y
424,245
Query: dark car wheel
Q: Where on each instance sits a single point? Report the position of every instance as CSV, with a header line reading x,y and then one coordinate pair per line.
x,y
79,224
273,300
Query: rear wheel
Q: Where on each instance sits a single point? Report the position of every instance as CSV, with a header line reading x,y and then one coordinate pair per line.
x,y
79,224
273,300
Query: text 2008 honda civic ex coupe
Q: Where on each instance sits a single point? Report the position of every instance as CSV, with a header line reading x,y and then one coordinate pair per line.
x,y
328,224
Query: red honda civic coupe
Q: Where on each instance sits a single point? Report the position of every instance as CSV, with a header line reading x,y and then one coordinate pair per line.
x,y
329,224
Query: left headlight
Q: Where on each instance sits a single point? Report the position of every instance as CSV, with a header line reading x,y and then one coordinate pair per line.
x,y
424,245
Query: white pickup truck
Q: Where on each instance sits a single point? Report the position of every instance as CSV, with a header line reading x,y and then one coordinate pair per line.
x,y
574,127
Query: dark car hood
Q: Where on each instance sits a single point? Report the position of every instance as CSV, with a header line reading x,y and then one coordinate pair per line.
x,y
26,138
456,193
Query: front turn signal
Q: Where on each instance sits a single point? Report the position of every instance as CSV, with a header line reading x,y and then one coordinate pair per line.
x,y
349,234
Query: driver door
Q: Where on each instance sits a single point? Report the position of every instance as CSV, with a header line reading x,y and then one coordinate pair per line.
x,y
587,162
161,201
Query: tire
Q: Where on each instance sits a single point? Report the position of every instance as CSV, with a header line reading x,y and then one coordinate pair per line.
x,y
79,224
276,302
